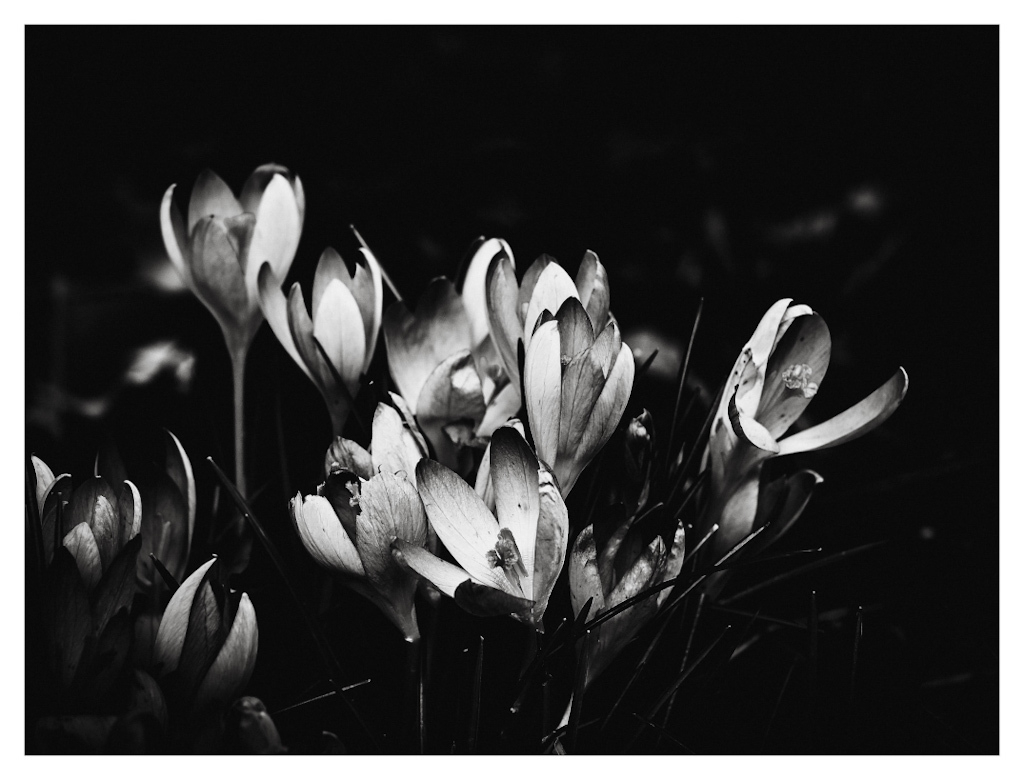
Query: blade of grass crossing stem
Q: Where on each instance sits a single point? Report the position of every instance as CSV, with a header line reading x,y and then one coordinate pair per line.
x,y
800,570
383,272
327,657
474,704
579,687
682,380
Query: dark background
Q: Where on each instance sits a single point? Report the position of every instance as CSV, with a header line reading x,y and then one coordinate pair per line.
x,y
853,169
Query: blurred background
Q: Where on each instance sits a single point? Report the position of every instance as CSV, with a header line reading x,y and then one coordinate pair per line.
x,y
852,169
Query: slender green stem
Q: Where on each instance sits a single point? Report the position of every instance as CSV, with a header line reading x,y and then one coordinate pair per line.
x,y
239,353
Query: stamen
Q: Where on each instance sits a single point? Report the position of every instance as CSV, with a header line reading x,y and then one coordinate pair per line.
x,y
798,377
505,556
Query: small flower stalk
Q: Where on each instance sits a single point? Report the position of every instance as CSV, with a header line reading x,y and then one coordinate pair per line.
x,y
776,376
219,248
367,500
345,321
507,562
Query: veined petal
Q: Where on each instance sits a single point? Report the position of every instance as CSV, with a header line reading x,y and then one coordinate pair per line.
x,y
44,478
502,407
211,197
750,430
235,661
529,283
800,359
462,522
607,346
451,396
129,514
574,329
172,228
503,314
275,310
582,384
553,286
474,286
392,445
377,284
584,578
81,543
324,536
860,418
594,291
484,486
338,326
170,636
276,236
543,386
217,273
350,456
552,543
417,343
329,268
514,474
443,575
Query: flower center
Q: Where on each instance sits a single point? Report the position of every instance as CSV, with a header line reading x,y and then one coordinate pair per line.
x,y
506,556
798,377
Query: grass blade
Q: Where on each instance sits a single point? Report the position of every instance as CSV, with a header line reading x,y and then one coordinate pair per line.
x,y
682,379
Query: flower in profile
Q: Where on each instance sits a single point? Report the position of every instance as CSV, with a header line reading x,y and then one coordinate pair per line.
x,y
508,563
207,639
620,569
444,362
220,247
345,320
773,380
368,499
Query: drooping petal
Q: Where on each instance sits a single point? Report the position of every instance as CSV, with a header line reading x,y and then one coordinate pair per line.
x,y
506,324
275,309
460,519
860,418
338,326
418,342
170,636
211,197
553,286
584,578
514,474
543,387
172,228
443,575
474,286
324,536
574,329
804,350
393,447
594,291
81,543
235,661
277,232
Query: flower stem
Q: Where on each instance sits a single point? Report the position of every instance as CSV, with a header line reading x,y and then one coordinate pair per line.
x,y
239,353
415,692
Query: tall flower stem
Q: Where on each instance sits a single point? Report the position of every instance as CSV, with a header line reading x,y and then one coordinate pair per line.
x,y
239,353
414,677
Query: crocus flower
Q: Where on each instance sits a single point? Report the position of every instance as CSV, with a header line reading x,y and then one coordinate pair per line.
x,y
621,569
773,380
208,638
220,248
577,383
444,362
367,500
507,564
345,320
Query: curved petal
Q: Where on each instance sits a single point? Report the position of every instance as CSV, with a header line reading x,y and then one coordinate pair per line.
x,y
234,663
529,284
338,326
256,184
584,578
443,575
552,543
275,309
460,519
450,406
864,416
170,636
377,285
329,267
179,469
503,315
582,384
44,478
574,328
474,286
348,455
129,514
502,407
217,273
514,475
593,288
81,543
392,445
553,287
211,197
417,342
806,347
176,242
542,384
324,536
750,430
276,235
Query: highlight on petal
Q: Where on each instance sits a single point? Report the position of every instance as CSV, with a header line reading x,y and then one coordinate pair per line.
x,y
338,326
275,309
554,285
176,242
170,636
505,321
799,360
235,661
393,447
474,285
860,418
44,478
277,231
256,184
211,197
575,331
129,514
484,601
323,535
347,455
514,474
390,508
543,386
594,291
750,430
443,575
584,578
81,543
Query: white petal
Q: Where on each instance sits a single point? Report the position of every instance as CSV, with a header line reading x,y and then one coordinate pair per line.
x,y
444,576
234,663
543,386
474,286
553,287
276,237
170,637
323,535
338,326
275,309
81,543
172,227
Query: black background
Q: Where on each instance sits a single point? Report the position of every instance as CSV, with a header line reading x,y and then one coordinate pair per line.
x,y
853,169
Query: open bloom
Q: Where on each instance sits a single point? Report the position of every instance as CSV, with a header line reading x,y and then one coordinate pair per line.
x,y
622,568
577,383
219,249
345,320
208,638
444,363
367,500
773,380
507,564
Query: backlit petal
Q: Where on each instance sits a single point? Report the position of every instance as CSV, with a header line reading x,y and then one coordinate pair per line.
x,y
170,636
275,310
235,661
81,543
553,286
211,197
592,284
444,576
277,232
543,387
807,343
338,326
503,316
324,536
474,286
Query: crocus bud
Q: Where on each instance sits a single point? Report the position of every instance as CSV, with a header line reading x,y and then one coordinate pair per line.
x,y
208,639
778,372
249,729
